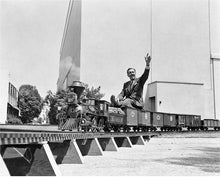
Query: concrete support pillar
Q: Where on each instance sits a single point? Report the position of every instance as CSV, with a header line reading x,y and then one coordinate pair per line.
x,y
123,141
108,144
4,169
66,152
51,159
137,140
30,160
89,147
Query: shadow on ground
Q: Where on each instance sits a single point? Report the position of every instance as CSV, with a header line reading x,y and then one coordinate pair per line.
x,y
207,161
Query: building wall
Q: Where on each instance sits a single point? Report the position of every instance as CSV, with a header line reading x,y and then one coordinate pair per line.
x,y
8,97
3,95
181,51
180,41
176,97
12,109
12,95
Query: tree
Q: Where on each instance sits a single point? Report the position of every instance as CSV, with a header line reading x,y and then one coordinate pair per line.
x,y
29,102
55,100
58,100
92,92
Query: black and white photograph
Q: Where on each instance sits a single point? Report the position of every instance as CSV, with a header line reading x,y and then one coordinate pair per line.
x,y
109,87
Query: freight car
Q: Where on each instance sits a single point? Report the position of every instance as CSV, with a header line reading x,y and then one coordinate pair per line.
x,y
210,124
97,115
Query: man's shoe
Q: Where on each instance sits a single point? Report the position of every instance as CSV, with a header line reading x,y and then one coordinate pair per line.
x,y
113,101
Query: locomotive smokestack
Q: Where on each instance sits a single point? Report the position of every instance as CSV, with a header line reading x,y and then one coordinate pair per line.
x,y
78,88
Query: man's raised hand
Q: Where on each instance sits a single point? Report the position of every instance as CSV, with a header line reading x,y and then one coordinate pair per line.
x,y
147,59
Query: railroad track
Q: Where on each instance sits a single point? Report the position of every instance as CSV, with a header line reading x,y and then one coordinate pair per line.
x,y
54,128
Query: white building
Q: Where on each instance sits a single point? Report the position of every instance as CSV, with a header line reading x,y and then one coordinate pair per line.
x,y
3,95
8,98
185,76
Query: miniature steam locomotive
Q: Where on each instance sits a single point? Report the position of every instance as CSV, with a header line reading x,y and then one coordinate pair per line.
x,y
91,115
82,115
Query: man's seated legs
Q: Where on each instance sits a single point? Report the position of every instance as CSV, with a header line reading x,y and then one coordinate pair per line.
x,y
124,103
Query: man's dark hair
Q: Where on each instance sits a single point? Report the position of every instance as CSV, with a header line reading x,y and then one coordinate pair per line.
x,y
130,69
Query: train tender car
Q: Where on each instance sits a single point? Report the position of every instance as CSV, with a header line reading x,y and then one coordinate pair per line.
x,y
170,122
115,120
156,120
125,119
144,120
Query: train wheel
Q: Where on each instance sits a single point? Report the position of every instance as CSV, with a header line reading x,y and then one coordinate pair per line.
x,y
107,129
134,129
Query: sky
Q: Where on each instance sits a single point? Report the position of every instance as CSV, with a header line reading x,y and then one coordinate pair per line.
x,y
31,33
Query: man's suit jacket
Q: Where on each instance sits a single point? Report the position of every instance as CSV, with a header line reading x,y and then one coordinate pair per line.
x,y
134,89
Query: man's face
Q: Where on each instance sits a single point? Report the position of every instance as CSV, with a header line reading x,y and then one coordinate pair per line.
x,y
131,74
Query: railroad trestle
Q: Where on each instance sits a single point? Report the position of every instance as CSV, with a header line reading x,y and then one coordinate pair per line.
x,y
39,153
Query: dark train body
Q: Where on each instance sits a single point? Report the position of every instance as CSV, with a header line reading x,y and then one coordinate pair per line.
x,y
91,115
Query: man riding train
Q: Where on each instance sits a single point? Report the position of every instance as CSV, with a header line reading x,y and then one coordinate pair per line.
x,y
77,112
132,92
